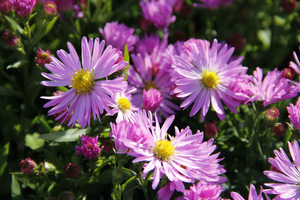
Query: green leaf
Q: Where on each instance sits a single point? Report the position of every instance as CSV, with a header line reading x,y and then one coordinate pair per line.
x,y
23,178
3,158
32,141
15,188
265,37
126,58
4,91
14,24
70,135
15,65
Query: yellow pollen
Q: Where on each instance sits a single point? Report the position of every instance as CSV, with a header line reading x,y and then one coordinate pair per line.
x,y
210,79
123,104
83,81
163,149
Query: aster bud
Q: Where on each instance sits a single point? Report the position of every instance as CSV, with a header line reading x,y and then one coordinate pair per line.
x,y
89,147
43,57
72,170
50,8
272,116
28,166
24,7
6,6
289,5
152,99
236,40
288,73
10,39
211,130
278,129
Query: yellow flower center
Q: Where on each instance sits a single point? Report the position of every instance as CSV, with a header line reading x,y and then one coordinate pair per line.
x,y
210,79
83,81
123,104
163,149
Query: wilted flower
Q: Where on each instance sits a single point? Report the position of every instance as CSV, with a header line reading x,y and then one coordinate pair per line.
x,y
278,129
6,6
252,195
289,5
117,35
9,38
43,57
89,147
152,99
211,130
72,170
87,93
288,175
24,7
28,166
50,8
236,40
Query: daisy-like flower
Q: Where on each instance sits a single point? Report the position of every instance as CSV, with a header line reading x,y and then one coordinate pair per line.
x,y
252,195
87,91
288,175
89,147
205,77
123,106
272,88
294,114
158,12
184,157
43,57
118,35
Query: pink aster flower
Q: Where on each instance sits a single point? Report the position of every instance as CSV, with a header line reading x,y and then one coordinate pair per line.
x,y
118,35
158,12
24,7
6,6
288,175
272,88
89,89
28,166
147,44
152,99
205,77
89,147
213,4
184,157
252,195
203,190
43,57
294,114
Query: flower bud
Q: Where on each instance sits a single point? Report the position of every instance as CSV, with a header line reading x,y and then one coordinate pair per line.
x,y
288,73
50,8
272,116
278,129
72,170
6,6
89,147
211,130
152,99
28,166
289,5
43,57
10,39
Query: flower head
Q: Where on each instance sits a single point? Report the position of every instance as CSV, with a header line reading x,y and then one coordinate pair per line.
x,y
288,175
118,35
28,166
152,99
64,5
294,114
252,195
89,147
289,5
6,6
43,57
89,90
288,73
24,7
184,157
50,8
72,170
204,78
9,38
272,115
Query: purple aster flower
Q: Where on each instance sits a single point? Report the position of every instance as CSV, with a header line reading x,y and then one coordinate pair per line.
x,y
123,106
64,5
6,6
152,99
28,166
147,44
24,7
252,195
158,12
89,89
213,4
294,114
166,192
203,190
89,147
205,77
272,88
184,157
118,35
288,175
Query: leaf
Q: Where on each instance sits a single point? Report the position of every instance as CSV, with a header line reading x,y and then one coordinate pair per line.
x,y
14,24
15,65
126,58
70,135
19,176
4,91
3,158
15,188
32,141
265,37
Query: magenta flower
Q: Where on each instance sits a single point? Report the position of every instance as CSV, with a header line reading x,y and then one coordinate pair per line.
x,y
152,99
166,192
10,39
272,88
6,6
203,190
64,5
252,195
294,114
295,66
213,4
205,78
288,175
50,8
89,90
43,57
184,157
28,166
158,12
89,147
147,44
117,35
24,7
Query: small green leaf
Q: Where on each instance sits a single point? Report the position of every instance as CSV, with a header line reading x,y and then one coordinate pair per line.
x,y
3,158
70,135
32,141
15,65
265,37
14,24
126,58
15,188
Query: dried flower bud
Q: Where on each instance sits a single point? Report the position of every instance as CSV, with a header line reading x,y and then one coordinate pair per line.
x,y
6,6
66,195
211,130
278,129
236,40
10,39
28,166
289,5
72,170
